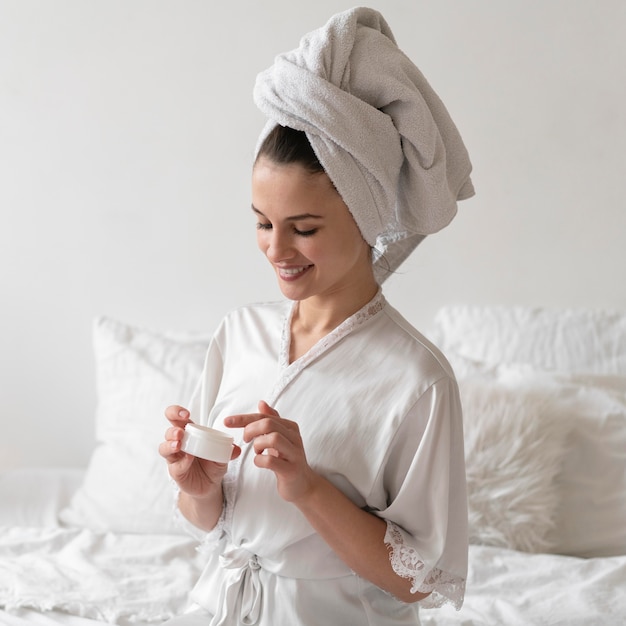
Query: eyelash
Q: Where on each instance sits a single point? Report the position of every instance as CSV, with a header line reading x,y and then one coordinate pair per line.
x,y
301,233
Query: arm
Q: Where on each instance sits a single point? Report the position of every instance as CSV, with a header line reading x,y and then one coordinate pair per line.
x,y
354,534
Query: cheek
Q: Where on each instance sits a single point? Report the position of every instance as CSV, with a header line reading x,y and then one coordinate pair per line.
x,y
314,250
261,240
355,252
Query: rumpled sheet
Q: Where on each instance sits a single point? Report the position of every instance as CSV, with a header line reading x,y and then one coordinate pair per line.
x,y
142,579
510,588
114,578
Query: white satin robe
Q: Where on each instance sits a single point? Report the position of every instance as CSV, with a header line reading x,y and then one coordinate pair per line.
x,y
380,417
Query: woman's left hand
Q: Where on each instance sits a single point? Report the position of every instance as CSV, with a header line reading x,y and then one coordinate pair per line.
x,y
278,446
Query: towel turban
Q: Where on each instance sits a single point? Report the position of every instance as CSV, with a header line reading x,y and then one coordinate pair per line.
x,y
381,133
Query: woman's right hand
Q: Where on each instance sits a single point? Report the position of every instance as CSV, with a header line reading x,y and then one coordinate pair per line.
x,y
196,477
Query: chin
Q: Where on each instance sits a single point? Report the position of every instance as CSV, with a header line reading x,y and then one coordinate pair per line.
x,y
292,294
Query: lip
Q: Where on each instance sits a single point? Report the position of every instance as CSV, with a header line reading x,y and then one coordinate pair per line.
x,y
295,272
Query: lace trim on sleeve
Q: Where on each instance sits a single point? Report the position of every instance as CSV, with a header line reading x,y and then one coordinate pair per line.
x,y
223,527
207,540
443,587
229,486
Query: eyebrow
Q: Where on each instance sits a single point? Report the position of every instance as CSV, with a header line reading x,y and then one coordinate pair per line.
x,y
292,218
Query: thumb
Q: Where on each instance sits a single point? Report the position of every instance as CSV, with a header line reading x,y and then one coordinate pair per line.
x,y
265,408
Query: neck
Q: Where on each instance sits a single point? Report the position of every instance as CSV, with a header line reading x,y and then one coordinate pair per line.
x,y
321,314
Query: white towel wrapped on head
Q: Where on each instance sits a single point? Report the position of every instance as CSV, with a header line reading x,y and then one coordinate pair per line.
x,y
381,133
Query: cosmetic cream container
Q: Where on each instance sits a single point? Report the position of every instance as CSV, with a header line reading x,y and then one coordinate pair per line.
x,y
207,443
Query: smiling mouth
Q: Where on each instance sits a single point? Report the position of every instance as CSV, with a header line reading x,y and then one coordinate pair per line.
x,y
292,273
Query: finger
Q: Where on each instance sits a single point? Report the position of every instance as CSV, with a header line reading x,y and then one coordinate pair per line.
x,y
269,426
264,407
173,443
171,451
273,462
267,445
177,415
236,452
277,445
270,443
174,433
242,420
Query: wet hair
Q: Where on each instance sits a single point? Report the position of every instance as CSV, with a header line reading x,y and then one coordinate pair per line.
x,y
287,146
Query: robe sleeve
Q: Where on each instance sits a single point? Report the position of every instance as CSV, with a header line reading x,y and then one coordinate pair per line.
x,y
424,478
211,378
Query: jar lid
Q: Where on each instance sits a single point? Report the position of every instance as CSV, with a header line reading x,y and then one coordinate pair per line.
x,y
196,430
207,443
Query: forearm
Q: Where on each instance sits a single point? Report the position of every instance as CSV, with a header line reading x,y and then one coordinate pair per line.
x,y
203,512
355,535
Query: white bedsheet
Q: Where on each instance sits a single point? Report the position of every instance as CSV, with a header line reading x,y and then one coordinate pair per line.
x,y
116,578
29,617
520,589
143,579
54,576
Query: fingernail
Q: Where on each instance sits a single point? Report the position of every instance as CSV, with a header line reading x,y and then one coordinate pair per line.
x,y
184,414
228,421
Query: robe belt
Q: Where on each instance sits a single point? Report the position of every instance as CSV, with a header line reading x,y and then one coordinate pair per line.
x,y
242,594
239,577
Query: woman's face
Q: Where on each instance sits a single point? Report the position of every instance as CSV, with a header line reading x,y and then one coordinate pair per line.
x,y
307,232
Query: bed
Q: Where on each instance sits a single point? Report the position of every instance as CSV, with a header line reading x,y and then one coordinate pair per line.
x,y
544,396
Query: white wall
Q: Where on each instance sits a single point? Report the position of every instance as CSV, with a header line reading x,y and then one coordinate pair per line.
x,y
126,135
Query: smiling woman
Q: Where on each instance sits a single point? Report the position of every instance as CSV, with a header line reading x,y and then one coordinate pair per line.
x,y
343,502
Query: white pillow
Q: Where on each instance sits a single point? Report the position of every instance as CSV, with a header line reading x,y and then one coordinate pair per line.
x,y
514,448
588,516
564,340
138,374
591,519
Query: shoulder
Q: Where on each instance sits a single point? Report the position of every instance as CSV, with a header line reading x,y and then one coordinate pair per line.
x,y
246,325
407,348
256,313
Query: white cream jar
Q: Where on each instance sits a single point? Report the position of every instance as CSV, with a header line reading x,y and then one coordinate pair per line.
x,y
207,443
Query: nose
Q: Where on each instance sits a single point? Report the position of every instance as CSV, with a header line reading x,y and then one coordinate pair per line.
x,y
278,246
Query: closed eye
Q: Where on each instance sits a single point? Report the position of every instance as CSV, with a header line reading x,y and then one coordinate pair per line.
x,y
301,233
293,218
305,233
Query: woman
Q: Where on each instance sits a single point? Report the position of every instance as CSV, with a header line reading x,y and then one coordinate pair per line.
x,y
344,501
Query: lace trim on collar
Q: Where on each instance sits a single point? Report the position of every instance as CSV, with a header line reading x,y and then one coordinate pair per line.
x,y
288,371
